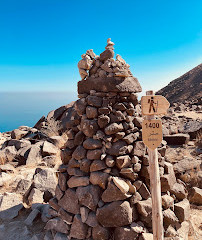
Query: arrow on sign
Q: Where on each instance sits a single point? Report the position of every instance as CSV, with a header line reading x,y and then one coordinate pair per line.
x,y
155,104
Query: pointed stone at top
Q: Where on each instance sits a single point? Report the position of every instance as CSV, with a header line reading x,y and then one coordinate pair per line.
x,y
110,44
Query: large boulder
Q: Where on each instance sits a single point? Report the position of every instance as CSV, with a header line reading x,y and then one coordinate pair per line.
x,y
115,214
108,84
10,205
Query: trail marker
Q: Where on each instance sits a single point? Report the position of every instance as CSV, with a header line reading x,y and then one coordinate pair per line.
x,y
152,136
154,104
152,133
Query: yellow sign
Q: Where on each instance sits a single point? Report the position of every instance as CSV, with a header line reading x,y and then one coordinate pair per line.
x,y
154,104
152,133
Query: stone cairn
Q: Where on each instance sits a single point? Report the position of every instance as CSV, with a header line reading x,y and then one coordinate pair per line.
x,y
103,184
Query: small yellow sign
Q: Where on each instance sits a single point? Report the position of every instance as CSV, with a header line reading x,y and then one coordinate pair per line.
x,y
152,133
154,105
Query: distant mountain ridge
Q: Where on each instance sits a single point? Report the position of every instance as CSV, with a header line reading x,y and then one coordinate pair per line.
x,y
187,87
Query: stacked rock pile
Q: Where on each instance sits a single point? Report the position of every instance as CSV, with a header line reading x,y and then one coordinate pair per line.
x,y
103,186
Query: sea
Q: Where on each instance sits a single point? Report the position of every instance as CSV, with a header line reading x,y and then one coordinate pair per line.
x,y
26,108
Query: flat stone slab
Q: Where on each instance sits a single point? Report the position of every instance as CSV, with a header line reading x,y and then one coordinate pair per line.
x,y
109,84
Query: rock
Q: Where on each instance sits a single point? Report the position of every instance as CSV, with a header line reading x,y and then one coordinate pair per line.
x,y
144,207
109,161
91,220
121,184
138,149
107,54
91,112
58,141
94,154
186,165
129,84
34,156
195,196
18,134
128,233
78,139
169,218
4,178
54,204
49,149
129,173
77,182
136,197
85,63
23,186
78,228
168,179
97,165
113,193
192,128
58,225
60,236
18,144
94,101
62,181
183,230
179,190
45,180
35,196
85,165
130,138
146,236
123,161
99,178
103,120
70,202
89,127
29,220
84,213
115,214
91,144
113,128
80,106
10,153
170,232
89,196
100,233
138,122
167,202
144,192
79,153
177,139
10,205
182,210
118,148
67,217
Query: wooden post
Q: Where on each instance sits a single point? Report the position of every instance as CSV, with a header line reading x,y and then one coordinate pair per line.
x,y
155,186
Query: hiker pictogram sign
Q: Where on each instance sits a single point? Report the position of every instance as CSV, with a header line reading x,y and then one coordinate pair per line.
x,y
152,133
154,105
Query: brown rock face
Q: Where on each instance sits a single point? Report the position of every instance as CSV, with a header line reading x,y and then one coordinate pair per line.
x,y
115,214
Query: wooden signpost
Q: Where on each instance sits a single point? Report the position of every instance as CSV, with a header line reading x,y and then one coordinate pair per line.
x,y
152,136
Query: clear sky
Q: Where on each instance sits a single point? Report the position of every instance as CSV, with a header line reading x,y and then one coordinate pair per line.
x,y
41,41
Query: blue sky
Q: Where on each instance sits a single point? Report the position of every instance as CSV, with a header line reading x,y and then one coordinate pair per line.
x,y
41,41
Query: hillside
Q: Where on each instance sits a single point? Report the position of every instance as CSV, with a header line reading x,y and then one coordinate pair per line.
x,y
187,87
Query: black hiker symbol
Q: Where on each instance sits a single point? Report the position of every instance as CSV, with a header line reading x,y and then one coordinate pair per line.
x,y
153,105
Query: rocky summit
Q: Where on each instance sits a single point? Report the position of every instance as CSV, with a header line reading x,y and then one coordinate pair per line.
x,y
82,172
186,88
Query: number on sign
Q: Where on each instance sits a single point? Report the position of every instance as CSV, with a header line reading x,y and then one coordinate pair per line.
x,y
152,125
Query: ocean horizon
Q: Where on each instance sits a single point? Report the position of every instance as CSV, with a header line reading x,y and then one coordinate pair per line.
x,y
26,108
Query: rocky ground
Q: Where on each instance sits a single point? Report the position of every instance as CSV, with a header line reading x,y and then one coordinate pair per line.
x,y
30,158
